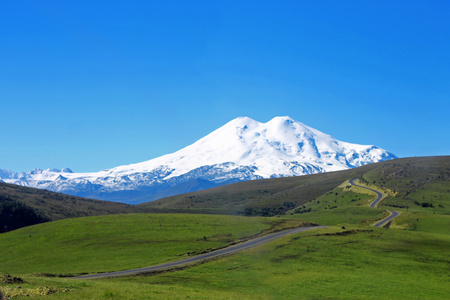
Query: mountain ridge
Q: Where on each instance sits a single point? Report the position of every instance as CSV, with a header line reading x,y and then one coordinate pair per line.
x,y
241,150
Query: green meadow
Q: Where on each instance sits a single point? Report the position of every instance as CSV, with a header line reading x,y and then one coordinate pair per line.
x,y
358,262
118,242
342,205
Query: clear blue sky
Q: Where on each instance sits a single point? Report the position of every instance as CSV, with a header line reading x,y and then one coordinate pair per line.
x,y
91,85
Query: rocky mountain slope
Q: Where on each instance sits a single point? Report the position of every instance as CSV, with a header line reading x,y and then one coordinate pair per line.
x,y
241,150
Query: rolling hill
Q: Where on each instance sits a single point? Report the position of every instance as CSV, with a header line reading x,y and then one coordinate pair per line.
x,y
418,184
414,181
23,206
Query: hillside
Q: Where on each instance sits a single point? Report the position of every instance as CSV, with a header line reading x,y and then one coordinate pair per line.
x,y
417,184
409,178
109,243
358,262
23,206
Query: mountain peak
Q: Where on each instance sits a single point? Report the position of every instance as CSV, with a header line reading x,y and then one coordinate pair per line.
x,y
242,149
280,120
283,119
241,121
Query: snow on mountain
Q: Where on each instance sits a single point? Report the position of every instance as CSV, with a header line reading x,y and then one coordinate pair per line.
x,y
242,149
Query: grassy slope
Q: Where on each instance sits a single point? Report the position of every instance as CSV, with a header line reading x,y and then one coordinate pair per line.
x,y
259,197
359,262
118,242
342,205
422,179
378,264
60,206
19,204
417,182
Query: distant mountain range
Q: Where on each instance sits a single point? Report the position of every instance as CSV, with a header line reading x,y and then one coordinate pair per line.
x,y
241,150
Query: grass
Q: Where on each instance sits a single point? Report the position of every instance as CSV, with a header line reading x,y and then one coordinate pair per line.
x,y
434,198
340,198
420,185
356,263
433,223
344,216
118,242
376,264
342,205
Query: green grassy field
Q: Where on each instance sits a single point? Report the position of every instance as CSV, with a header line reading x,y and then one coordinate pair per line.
x,y
117,242
371,264
358,262
344,216
342,205
355,263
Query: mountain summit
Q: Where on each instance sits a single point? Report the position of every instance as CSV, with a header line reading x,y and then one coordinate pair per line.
x,y
242,149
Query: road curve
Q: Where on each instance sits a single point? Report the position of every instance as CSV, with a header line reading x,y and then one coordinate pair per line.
x,y
393,214
201,257
379,195
383,222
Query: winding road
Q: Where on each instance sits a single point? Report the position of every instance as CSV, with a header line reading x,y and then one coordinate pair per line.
x,y
374,204
235,248
379,195
202,257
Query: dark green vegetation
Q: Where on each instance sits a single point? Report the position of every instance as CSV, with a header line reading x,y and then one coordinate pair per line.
x,y
14,214
23,206
8,279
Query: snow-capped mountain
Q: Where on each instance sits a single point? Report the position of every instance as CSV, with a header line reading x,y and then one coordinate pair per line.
x,y
242,149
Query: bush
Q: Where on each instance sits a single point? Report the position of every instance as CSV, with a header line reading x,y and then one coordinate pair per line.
x,y
8,279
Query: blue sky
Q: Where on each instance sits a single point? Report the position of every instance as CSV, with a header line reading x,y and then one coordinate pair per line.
x,y
91,85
